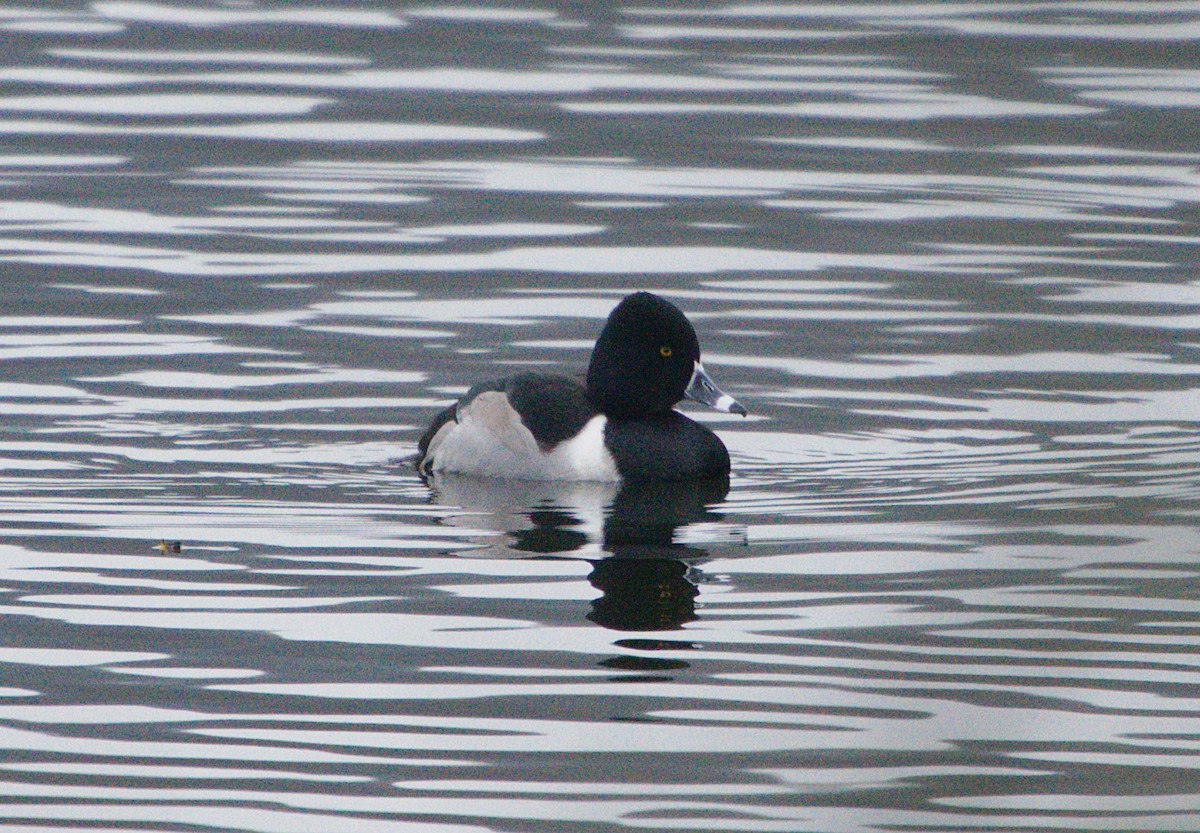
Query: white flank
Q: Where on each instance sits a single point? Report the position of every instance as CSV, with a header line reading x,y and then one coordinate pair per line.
x,y
585,454
490,440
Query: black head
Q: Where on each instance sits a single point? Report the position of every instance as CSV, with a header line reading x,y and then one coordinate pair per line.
x,y
644,358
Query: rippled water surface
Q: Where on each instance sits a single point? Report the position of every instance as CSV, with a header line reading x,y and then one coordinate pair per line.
x,y
944,253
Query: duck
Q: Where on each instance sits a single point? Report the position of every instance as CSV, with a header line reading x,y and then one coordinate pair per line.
x,y
617,424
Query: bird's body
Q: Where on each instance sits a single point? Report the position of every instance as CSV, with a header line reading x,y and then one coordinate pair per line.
x,y
618,425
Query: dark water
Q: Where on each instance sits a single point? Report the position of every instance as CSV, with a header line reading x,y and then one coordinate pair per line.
x,y
945,254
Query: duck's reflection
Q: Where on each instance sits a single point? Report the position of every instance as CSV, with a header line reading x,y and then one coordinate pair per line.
x,y
631,534
642,594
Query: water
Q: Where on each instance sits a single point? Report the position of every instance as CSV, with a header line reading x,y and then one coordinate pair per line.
x,y
944,253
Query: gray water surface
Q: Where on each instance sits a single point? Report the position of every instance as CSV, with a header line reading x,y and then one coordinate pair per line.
x,y
944,253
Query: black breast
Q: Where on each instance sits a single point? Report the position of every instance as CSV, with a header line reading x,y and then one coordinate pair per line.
x,y
666,447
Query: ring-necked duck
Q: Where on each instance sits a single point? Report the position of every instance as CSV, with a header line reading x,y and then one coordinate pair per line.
x,y
620,425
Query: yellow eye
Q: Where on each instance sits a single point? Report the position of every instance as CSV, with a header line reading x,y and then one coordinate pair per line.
x,y
665,351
